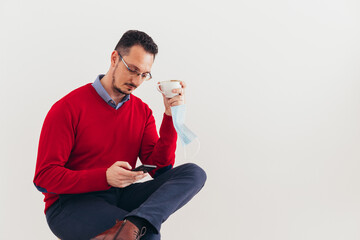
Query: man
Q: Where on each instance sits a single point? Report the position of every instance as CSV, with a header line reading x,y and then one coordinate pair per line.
x,y
90,141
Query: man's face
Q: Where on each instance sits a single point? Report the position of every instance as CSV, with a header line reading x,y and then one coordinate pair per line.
x,y
125,82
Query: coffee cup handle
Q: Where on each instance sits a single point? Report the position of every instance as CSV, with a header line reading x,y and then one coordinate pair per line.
x,y
158,88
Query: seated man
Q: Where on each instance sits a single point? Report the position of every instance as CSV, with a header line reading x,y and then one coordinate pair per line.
x,y
90,141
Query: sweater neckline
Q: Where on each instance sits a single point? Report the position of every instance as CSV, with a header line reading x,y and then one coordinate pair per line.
x,y
98,97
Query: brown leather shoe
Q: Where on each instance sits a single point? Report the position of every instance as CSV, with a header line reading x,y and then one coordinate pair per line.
x,y
122,230
110,233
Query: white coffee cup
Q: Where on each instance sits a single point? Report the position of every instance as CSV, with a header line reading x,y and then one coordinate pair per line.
x,y
166,87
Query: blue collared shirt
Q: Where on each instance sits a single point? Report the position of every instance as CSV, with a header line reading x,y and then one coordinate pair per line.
x,y
104,95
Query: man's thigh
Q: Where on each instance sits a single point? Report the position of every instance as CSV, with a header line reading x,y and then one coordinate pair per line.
x,y
83,216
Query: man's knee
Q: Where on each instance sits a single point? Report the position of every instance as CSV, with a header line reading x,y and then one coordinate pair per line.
x,y
197,174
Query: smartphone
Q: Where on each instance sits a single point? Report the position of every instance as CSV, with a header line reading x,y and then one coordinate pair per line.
x,y
144,168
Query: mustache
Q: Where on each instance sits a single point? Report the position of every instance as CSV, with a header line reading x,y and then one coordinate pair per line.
x,y
131,84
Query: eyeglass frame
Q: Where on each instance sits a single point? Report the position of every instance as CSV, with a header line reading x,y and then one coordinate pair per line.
x,y
132,71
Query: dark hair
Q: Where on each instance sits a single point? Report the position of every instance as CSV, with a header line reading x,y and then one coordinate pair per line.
x,y
135,37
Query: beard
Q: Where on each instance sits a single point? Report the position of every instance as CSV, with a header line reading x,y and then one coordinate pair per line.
x,y
116,88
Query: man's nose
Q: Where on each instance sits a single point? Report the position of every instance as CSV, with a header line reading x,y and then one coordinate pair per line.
x,y
137,80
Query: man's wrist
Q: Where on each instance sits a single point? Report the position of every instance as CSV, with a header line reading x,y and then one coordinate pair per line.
x,y
168,112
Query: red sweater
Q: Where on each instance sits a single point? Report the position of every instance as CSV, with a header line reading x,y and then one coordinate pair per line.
x,y
82,136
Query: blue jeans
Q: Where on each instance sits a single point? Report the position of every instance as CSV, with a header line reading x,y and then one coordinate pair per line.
x,y
83,216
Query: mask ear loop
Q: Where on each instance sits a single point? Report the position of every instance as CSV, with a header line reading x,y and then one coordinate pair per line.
x,y
197,150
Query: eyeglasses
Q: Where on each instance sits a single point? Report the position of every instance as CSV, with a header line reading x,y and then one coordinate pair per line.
x,y
144,76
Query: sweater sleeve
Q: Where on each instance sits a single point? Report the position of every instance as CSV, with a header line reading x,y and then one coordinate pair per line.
x,y
159,151
57,139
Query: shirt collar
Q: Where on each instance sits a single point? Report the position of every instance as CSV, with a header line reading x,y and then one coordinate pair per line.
x,y
104,94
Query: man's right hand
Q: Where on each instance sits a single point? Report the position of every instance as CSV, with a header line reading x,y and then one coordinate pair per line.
x,y
119,175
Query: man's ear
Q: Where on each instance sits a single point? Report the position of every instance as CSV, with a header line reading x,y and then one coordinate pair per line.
x,y
114,58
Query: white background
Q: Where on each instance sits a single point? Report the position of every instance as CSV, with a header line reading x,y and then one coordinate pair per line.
x,y
273,94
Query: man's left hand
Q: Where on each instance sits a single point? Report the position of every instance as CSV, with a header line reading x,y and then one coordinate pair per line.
x,y
175,101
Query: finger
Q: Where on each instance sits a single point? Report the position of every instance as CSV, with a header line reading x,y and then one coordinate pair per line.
x,y
180,91
126,174
141,176
175,99
126,182
123,164
183,84
131,178
177,103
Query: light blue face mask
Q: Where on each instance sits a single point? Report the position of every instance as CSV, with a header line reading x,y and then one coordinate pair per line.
x,y
184,133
